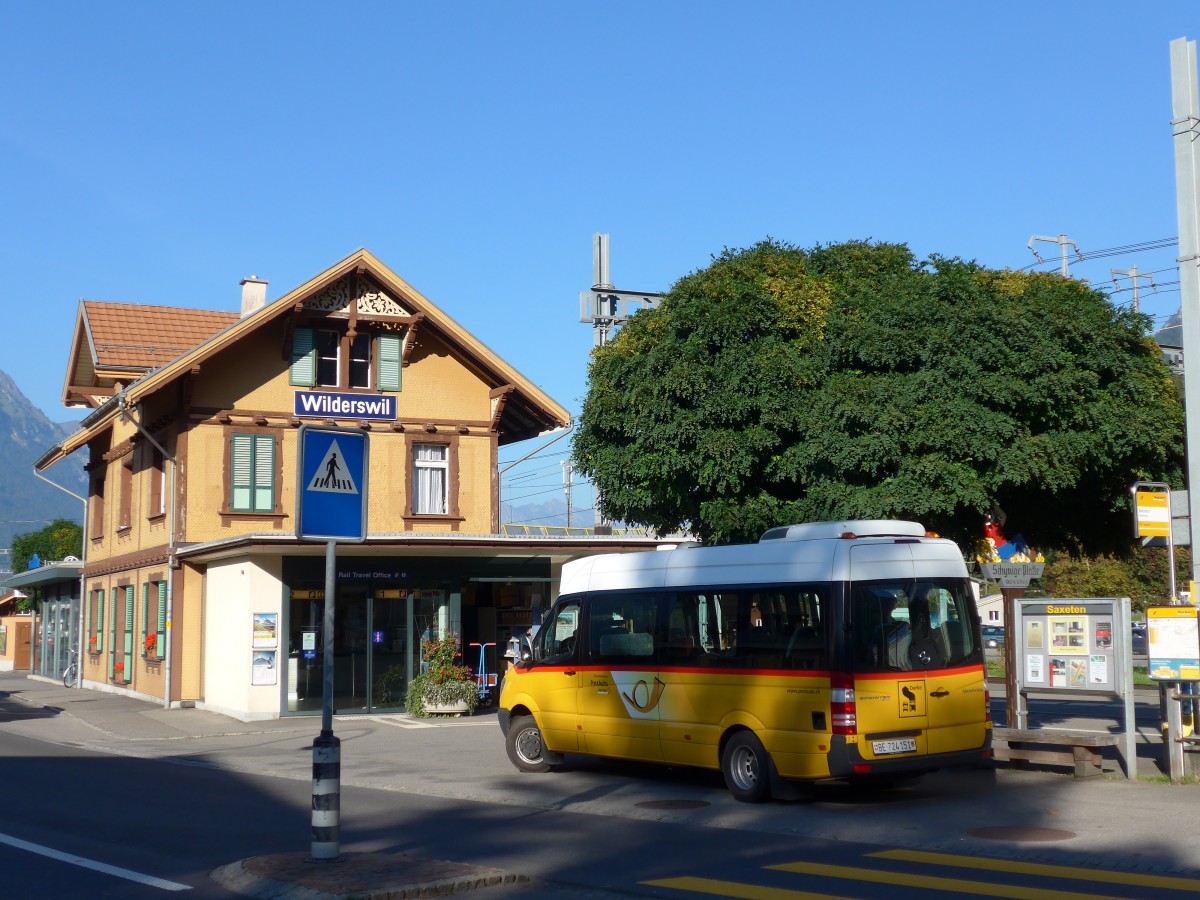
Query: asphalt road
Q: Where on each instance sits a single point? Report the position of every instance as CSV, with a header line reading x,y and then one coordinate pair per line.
x,y
173,807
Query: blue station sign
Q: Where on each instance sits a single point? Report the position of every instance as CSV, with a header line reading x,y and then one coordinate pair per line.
x,y
326,405
332,490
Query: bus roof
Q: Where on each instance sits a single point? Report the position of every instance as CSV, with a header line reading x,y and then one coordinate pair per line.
x,y
823,552
811,531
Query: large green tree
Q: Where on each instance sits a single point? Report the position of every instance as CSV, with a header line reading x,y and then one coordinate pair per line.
x,y
54,543
852,380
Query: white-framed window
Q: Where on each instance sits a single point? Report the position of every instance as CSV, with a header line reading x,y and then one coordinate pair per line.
x,y
330,358
329,344
360,361
431,479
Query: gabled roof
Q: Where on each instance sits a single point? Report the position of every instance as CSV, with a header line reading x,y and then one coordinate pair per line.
x,y
120,342
525,410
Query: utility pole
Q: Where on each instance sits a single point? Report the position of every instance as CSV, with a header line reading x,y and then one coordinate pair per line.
x,y
568,483
1062,240
1133,275
605,308
1185,127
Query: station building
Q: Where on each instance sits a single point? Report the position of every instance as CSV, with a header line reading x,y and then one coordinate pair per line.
x,y
195,588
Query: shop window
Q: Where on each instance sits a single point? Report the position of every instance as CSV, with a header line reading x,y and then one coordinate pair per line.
x,y
332,358
252,473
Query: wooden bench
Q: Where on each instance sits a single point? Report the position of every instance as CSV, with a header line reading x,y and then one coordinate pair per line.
x,y
1054,748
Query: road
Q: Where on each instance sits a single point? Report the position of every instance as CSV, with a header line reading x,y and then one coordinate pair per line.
x,y
167,811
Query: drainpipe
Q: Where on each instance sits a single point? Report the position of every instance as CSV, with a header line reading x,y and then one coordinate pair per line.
x,y
82,578
123,405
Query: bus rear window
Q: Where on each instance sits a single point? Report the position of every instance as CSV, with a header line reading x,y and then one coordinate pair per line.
x,y
911,625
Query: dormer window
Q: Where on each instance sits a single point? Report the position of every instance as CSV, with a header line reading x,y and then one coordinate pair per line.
x,y
331,358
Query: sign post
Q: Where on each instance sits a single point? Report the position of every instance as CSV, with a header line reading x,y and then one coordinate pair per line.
x,y
332,506
1013,578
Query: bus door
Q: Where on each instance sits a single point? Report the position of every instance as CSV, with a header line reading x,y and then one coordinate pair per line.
x,y
620,688
890,693
946,633
557,677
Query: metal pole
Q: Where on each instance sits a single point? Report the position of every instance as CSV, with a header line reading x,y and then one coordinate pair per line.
x,y
1185,127
327,752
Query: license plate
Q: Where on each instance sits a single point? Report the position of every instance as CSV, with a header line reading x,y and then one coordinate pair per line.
x,y
901,745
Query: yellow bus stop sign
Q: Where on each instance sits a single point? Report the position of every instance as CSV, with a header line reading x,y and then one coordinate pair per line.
x,y
1153,514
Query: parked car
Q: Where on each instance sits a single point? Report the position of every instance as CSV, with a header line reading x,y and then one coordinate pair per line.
x,y
993,636
1141,641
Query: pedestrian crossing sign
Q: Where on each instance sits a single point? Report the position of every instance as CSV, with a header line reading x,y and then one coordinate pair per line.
x,y
331,474
332,490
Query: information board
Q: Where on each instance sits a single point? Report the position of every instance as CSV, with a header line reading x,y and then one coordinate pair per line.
x,y
1071,645
1174,634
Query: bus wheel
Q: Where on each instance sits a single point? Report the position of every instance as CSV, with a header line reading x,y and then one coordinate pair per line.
x,y
747,768
524,745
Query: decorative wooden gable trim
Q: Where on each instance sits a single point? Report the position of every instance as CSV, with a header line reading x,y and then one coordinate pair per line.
x,y
353,298
499,397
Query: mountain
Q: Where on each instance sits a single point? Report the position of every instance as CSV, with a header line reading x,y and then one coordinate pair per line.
x,y
26,502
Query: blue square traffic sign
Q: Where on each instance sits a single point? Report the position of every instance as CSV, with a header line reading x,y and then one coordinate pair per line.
x,y
332,490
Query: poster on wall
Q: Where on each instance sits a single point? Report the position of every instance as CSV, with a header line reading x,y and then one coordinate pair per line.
x,y
263,669
266,630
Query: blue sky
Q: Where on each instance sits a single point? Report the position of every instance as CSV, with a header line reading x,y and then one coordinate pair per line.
x,y
161,152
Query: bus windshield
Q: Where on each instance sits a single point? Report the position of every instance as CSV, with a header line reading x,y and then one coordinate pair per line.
x,y
907,625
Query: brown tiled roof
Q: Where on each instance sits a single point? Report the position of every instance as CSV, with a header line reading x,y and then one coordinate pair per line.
x,y
130,335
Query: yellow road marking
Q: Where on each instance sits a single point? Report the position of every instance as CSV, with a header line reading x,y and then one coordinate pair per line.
x,y
933,882
1005,865
734,889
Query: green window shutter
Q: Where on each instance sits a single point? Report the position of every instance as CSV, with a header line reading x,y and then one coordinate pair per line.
x,y
241,452
145,616
252,472
264,473
390,349
129,633
304,358
160,645
100,621
112,633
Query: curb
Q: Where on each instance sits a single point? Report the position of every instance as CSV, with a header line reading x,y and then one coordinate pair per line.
x,y
293,876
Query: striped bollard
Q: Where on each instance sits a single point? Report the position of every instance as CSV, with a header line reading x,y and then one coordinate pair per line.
x,y
326,798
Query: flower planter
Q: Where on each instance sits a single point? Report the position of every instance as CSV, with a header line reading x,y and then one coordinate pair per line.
x,y
454,708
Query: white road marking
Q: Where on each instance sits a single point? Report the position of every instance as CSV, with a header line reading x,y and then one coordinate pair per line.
x,y
74,860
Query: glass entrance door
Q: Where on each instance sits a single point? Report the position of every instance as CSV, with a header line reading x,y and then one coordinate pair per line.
x,y
372,656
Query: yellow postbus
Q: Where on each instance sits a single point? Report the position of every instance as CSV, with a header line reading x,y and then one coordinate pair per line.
x,y
830,650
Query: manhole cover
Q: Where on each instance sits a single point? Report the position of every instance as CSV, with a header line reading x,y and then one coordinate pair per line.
x,y
1021,833
672,804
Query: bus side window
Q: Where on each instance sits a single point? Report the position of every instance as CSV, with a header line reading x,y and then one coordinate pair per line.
x,y
806,645
680,641
621,629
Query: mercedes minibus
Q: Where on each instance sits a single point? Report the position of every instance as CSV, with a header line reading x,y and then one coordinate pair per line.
x,y
830,650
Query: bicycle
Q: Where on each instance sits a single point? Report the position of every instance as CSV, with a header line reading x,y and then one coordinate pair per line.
x,y
72,670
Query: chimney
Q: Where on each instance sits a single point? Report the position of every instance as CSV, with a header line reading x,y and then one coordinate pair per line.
x,y
254,295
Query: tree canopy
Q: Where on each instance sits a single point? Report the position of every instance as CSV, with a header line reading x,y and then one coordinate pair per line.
x,y
852,380
54,543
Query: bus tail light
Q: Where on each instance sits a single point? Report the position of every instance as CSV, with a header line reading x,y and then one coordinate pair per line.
x,y
841,704
987,703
